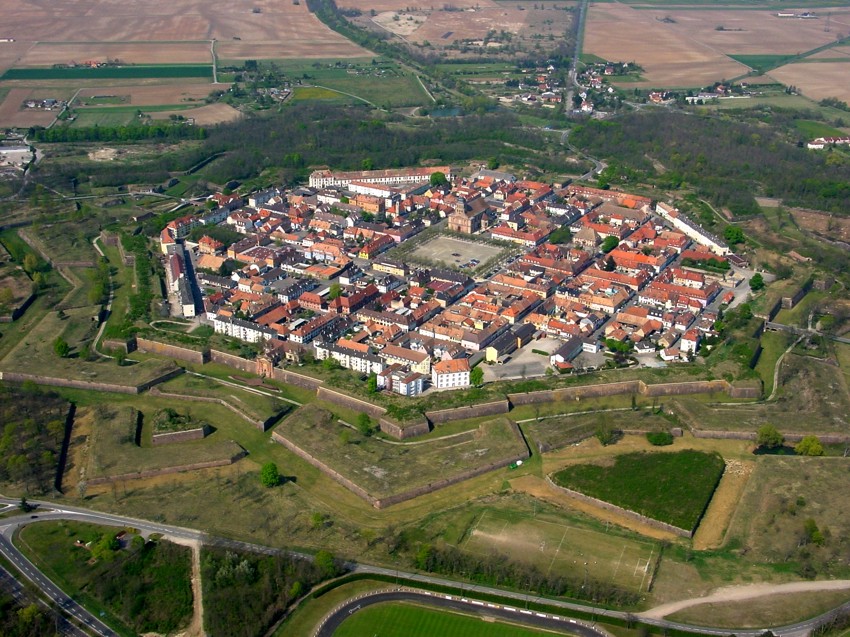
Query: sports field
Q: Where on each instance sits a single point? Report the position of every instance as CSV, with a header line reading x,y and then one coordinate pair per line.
x,y
555,547
410,620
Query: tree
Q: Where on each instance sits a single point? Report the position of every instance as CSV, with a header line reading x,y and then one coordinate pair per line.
x,y
327,563
30,263
733,234
610,264
335,291
269,475
757,282
809,446
492,163
364,424
476,376
61,347
372,384
768,437
438,179
609,244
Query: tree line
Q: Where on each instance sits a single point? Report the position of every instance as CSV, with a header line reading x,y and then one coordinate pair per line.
x,y
725,161
128,133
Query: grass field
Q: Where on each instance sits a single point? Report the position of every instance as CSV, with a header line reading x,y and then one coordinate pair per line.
x,y
398,619
807,386
781,494
64,241
35,355
814,129
256,406
773,345
762,63
556,547
383,468
558,432
112,448
111,72
671,487
307,93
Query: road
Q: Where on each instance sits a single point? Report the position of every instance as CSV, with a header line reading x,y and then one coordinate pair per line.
x,y
556,623
52,511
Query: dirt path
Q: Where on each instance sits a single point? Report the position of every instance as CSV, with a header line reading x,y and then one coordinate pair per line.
x,y
712,528
740,593
196,626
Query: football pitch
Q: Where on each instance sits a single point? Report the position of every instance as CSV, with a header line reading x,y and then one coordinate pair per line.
x,y
398,619
562,549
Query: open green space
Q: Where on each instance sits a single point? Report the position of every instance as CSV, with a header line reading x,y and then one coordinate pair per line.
x,y
812,129
69,241
400,619
773,346
304,93
120,439
110,72
806,386
383,468
256,406
557,432
77,326
145,585
673,487
781,495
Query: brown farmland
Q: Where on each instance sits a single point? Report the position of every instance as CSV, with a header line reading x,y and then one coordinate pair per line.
x,y
746,32
276,29
203,115
668,58
48,53
817,80
150,95
14,114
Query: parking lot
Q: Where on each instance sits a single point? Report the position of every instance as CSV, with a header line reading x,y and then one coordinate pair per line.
x,y
524,363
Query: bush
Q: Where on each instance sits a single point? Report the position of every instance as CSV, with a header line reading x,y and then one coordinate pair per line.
x,y
660,438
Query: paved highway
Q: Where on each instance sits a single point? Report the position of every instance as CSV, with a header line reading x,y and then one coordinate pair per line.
x,y
51,511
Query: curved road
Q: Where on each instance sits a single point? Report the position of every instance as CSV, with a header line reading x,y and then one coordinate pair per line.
x,y
563,625
52,511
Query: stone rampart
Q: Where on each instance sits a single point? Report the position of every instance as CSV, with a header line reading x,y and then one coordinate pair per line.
x,y
469,411
151,473
173,351
293,378
375,411
409,430
381,503
348,484
169,437
242,364
90,385
259,424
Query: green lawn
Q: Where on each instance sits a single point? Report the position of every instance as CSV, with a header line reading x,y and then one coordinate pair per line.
x,y
814,129
410,620
762,63
671,487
